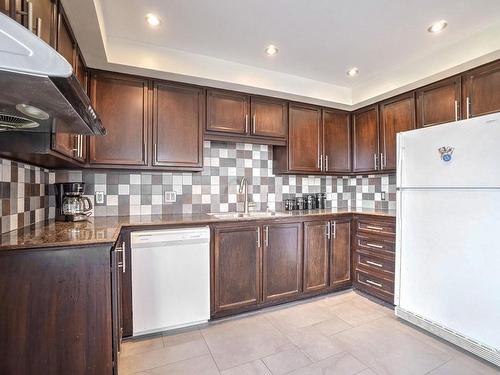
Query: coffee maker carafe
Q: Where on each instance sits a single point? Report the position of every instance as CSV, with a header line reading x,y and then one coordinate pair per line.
x,y
71,205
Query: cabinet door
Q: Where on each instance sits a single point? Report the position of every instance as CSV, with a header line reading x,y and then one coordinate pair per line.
x,y
439,103
81,71
121,102
5,7
269,117
66,45
340,258
227,112
365,139
396,115
316,248
304,135
116,269
337,141
282,261
481,90
44,20
237,262
178,113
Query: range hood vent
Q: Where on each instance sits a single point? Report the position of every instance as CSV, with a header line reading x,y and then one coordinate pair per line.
x,y
9,122
36,80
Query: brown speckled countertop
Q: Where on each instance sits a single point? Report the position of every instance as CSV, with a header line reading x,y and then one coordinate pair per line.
x,y
105,230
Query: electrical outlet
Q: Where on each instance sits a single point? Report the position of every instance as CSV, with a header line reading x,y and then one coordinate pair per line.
x,y
170,197
99,197
383,196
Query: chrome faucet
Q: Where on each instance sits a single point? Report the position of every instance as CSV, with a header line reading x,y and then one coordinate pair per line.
x,y
244,189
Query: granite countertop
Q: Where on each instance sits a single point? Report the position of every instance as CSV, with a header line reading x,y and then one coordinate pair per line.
x,y
105,230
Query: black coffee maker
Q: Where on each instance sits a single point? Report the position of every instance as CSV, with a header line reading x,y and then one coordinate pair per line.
x,y
71,205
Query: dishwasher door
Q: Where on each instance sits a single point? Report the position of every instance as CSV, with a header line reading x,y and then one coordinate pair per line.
x,y
170,279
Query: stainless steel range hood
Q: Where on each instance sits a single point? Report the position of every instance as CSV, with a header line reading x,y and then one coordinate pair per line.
x,y
38,90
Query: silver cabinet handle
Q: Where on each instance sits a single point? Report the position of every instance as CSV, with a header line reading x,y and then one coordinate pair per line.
x,y
334,229
381,160
77,145
254,122
326,163
123,263
328,233
321,162
374,245
30,16
266,236
38,27
246,123
374,263
374,228
456,110
258,236
375,161
467,104
373,283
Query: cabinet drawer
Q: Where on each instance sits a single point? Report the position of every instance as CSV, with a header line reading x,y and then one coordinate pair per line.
x,y
374,263
374,244
378,227
377,285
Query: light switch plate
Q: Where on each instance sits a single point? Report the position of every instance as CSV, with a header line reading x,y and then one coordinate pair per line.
x,y
99,197
383,196
170,197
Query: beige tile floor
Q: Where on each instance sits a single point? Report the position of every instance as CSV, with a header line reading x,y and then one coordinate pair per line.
x,y
345,333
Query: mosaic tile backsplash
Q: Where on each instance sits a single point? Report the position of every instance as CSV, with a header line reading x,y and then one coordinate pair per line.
x,y
215,188
27,195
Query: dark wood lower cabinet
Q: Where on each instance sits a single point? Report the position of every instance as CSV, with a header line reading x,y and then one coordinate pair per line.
x,y
282,261
316,250
237,267
56,311
340,254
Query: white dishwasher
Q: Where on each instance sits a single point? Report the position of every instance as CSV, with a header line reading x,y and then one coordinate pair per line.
x,y
170,279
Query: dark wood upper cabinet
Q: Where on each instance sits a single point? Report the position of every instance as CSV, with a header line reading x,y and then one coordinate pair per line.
x,y
340,258
396,115
481,90
439,103
81,71
237,267
122,103
178,117
44,20
282,261
66,44
304,137
365,139
316,250
337,141
228,112
269,117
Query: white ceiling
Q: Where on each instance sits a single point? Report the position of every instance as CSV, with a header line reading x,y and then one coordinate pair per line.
x,y
223,41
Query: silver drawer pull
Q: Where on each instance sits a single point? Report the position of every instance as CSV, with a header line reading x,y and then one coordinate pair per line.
x,y
374,283
374,228
374,245
374,263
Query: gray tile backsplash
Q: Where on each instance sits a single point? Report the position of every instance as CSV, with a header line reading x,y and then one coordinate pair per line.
x,y
26,193
215,188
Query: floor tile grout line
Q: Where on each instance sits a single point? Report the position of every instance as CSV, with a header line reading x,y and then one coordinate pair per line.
x,y
210,351
439,366
168,364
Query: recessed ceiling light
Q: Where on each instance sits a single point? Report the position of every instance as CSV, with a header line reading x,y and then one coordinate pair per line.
x,y
437,27
152,20
352,72
272,50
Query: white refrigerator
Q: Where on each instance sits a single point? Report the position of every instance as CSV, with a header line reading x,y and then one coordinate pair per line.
x,y
448,232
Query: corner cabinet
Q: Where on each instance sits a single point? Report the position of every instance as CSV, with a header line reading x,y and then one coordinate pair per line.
x,y
365,144
122,104
178,119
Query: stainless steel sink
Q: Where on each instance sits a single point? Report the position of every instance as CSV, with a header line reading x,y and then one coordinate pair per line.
x,y
241,215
